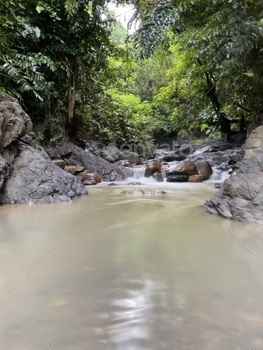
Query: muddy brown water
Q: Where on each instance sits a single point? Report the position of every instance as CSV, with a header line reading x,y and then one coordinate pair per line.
x,y
133,273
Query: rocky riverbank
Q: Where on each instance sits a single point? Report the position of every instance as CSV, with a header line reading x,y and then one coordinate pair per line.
x,y
27,174
241,197
30,173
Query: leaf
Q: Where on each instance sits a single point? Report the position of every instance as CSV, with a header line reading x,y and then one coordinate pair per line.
x,y
37,32
39,8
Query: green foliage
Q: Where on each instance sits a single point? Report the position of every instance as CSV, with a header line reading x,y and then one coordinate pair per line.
x,y
220,45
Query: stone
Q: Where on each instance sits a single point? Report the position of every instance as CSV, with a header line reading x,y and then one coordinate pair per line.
x,y
253,159
89,178
34,179
152,168
74,169
177,178
182,168
195,178
14,122
59,162
239,198
158,177
74,155
132,157
204,169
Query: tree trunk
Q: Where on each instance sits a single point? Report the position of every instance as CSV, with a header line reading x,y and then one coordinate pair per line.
x,y
73,78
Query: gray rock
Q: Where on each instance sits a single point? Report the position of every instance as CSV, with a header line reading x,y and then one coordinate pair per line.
x,y
240,198
132,157
14,122
33,179
75,155
204,169
253,159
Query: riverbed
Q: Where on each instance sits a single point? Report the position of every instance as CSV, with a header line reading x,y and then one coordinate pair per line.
x,y
114,271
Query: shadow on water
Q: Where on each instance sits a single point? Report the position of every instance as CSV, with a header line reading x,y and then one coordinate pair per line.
x,y
133,273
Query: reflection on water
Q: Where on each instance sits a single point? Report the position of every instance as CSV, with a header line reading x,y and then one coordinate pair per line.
x,y
135,273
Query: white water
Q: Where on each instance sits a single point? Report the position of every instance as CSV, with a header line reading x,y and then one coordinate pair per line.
x,y
218,176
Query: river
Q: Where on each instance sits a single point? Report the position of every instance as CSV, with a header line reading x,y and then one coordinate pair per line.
x,y
118,272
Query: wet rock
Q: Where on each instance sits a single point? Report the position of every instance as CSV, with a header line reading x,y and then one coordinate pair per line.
x,y
132,157
177,178
33,179
204,169
134,183
89,178
152,168
182,168
74,169
74,155
195,178
240,198
59,162
14,122
158,177
173,156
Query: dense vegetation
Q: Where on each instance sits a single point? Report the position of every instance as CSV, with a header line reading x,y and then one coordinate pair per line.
x,y
191,66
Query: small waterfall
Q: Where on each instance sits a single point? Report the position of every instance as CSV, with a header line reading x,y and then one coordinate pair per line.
x,y
138,172
137,175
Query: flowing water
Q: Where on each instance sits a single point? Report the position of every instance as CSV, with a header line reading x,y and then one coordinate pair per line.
x,y
149,272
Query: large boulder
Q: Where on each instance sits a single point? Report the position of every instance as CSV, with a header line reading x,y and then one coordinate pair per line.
x,y
253,159
35,179
240,198
182,168
152,168
131,157
204,169
75,155
14,122
27,174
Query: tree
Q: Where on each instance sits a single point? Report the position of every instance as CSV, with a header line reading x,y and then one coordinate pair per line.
x,y
224,41
56,57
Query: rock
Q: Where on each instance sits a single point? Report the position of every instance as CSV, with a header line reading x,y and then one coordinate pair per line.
x,y
132,157
182,168
173,156
204,169
253,159
139,192
216,152
14,122
152,168
158,177
27,174
33,179
177,178
74,169
74,155
240,198
110,153
59,162
134,183
89,178
195,178
6,160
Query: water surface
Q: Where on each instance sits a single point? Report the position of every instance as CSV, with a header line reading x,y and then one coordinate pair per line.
x,y
133,273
